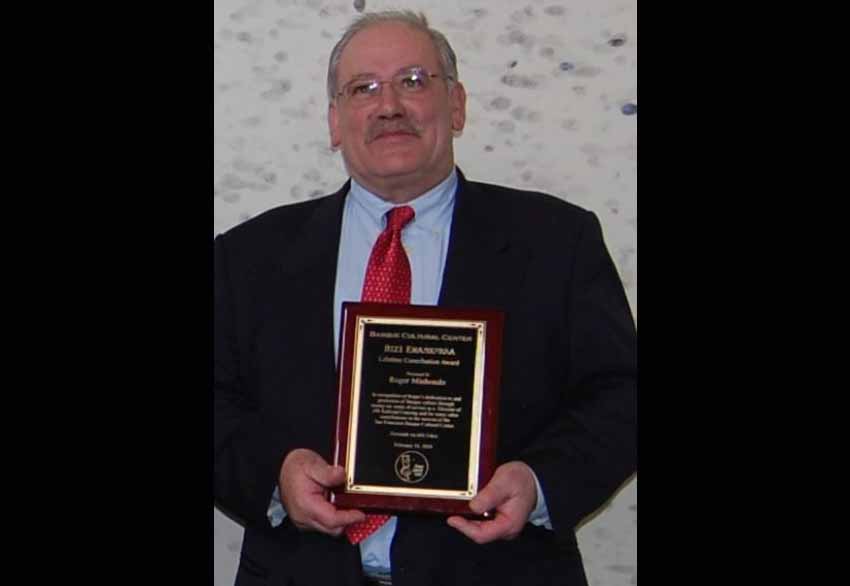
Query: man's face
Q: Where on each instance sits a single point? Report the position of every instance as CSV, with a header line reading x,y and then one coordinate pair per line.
x,y
396,144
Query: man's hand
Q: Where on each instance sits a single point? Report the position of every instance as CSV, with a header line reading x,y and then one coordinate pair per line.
x,y
304,481
512,492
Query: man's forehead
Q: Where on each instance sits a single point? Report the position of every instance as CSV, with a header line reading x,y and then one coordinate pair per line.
x,y
387,48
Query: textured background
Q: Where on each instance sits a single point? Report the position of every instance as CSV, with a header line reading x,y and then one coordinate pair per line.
x,y
552,106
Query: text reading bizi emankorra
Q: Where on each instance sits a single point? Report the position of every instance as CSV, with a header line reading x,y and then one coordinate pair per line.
x,y
420,354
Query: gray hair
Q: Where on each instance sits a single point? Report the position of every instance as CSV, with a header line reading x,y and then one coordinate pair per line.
x,y
448,59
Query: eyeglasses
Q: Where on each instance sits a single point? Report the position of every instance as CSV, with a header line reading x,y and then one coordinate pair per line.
x,y
407,82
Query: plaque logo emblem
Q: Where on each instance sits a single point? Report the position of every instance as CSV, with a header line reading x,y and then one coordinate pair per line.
x,y
411,466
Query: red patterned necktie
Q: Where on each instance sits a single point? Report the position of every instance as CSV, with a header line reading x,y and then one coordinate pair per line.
x,y
387,281
388,272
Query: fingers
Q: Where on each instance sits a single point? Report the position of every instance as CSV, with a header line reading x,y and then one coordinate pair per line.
x,y
307,462
325,474
513,480
512,493
324,517
304,481
490,497
501,527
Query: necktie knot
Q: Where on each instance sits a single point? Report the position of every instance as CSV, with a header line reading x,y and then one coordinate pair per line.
x,y
388,271
397,218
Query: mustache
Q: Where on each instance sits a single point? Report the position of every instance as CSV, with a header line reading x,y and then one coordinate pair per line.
x,y
381,127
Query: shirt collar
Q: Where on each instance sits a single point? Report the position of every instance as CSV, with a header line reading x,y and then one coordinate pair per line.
x,y
431,208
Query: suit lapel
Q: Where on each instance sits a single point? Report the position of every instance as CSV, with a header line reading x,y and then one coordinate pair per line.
x,y
482,269
309,274
316,249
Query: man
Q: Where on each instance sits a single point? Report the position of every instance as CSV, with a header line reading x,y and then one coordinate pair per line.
x,y
567,431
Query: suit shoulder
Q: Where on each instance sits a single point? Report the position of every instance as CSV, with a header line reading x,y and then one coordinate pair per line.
x,y
277,226
266,238
526,205
272,220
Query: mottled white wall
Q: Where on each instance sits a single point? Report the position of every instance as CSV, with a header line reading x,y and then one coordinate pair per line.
x,y
552,106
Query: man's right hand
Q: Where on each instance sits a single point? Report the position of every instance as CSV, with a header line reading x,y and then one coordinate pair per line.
x,y
304,481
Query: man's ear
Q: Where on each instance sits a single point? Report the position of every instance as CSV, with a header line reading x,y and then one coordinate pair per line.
x,y
333,126
457,101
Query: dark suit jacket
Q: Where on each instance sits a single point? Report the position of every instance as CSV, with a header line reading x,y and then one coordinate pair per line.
x,y
568,394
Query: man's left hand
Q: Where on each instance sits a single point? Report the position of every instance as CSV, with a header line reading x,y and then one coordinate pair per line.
x,y
512,493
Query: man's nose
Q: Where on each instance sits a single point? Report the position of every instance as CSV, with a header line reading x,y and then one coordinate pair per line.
x,y
389,102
